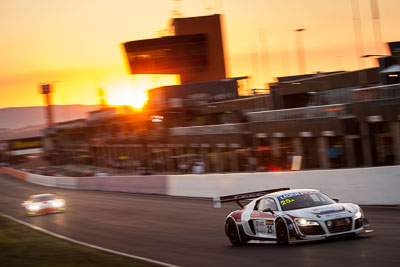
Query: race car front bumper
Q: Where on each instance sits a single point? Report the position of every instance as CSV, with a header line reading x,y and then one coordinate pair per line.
x,y
325,232
45,211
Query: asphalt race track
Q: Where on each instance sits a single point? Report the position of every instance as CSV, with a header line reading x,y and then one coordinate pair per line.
x,y
190,232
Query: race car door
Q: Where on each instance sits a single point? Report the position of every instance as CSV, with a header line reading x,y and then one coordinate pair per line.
x,y
262,220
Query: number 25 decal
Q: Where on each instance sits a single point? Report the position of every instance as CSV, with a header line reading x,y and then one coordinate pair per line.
x,y
286,201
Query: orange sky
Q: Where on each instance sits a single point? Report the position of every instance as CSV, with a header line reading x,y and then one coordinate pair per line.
x,y
77,42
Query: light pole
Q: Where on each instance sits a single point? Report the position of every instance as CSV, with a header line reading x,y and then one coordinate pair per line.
x,y
46,89
300,50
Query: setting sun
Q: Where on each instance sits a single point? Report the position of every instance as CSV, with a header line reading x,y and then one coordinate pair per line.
x,y
133,93
126,96
138,99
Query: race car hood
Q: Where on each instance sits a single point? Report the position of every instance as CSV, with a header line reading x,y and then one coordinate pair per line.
x,y
336,210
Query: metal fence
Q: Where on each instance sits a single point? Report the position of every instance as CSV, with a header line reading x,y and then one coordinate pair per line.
x,y
376,93
337,110
209,129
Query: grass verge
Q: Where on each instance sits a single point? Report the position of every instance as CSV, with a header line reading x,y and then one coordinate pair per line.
x,y
23,246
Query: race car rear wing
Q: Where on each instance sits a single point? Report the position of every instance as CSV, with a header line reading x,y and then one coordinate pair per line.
x,y
243,196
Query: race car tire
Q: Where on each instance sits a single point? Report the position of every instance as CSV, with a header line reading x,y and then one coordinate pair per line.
x,y
232,232
281,233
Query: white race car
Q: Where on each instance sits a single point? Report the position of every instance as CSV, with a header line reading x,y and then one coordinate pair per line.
x,y
43,204
288,216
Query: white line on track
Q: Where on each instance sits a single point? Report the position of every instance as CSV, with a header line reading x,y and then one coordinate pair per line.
x,y
159,263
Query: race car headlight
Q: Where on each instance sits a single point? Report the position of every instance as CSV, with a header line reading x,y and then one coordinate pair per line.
x,y
33,207
58,203
305,222
358,215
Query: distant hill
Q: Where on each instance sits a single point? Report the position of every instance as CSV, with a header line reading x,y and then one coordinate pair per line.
x,y
20,133
21,117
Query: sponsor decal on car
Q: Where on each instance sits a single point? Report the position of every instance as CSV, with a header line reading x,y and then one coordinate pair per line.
x,y
285,196
264,226
260,226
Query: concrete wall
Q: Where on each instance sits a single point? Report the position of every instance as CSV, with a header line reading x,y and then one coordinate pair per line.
x,y
154,184
378,185
66,182
15,173
61,182
41,179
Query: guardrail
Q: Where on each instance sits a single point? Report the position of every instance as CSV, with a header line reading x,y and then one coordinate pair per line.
x,y
337,110
376,93
209,129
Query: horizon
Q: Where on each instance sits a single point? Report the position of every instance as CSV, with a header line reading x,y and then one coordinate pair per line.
x,y
14,118
41,106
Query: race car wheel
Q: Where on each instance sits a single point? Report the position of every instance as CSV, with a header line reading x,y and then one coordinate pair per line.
x,y
232,232
281,233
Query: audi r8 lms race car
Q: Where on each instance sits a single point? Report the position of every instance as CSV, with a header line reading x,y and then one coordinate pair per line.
x,y
43,204
289,216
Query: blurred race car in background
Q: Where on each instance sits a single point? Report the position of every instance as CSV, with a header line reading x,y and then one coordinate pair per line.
x,y
43,204
289,216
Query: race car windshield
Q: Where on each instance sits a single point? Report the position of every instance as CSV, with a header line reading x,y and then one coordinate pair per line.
x,y
43,198
303,199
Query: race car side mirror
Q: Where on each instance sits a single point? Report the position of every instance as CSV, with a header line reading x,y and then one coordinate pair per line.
x,y
268,210
336,200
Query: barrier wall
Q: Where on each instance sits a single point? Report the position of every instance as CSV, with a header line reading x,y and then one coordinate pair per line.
x,y
150,184
378,185
53,181
41,179
154,184
15,173
66,182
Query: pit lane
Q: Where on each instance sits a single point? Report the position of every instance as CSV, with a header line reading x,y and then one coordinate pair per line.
x,y
190,232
